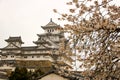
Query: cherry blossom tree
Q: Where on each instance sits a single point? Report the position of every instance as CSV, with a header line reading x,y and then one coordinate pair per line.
x,y
94,37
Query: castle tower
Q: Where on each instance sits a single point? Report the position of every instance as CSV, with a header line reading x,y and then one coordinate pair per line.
x,y
51,37
11,51
51,40
14,42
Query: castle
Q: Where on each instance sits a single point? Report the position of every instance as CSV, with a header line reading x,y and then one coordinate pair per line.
x,y
43,55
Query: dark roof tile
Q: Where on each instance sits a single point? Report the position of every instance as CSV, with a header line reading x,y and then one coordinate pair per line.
x,y
51,24
14,39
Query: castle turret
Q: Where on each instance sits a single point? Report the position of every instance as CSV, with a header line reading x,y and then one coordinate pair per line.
x,y
11,52
14,41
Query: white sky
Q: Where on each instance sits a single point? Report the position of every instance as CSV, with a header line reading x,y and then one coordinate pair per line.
x,y
24,18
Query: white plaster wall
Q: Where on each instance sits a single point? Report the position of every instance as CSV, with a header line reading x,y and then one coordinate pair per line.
x,y
14,51
9,57
56,31
18,44
37,58
35,52
5,67
13,46
56,38
53,77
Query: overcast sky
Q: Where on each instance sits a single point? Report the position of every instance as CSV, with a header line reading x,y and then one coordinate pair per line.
x,y
24,18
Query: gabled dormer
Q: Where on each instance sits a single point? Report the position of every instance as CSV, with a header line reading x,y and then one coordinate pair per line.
x,y
14,42
52,27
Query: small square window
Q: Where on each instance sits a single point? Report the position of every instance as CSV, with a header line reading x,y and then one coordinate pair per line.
x,y
25,56
12,56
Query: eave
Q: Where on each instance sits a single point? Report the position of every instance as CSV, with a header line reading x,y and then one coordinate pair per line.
x,y
10,48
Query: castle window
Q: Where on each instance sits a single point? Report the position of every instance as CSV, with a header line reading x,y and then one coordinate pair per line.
x,y
12,56
32,56
10,63
25,56
48,30
67,68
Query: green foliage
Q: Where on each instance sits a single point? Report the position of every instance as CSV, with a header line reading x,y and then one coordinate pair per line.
x,y
19,74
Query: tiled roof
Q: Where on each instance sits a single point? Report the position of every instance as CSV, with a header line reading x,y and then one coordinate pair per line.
x,y
51,24
10,48
29,48
66,74
14,39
